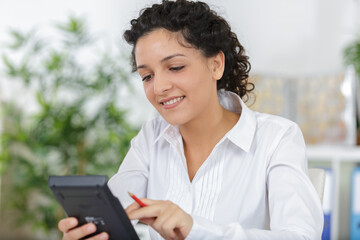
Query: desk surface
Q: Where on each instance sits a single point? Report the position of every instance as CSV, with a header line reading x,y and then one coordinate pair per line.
x,y
333,153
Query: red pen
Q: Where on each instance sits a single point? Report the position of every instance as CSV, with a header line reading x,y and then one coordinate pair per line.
x,y
137,200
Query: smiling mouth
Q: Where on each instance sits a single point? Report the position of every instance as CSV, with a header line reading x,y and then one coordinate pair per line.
x,y
172,101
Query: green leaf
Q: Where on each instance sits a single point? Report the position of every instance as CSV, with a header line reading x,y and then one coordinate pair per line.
x,y
38,46
75,31
10,68
25,72
55,61
352,55
19,39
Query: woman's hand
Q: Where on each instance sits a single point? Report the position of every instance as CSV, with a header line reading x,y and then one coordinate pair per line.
x,y
67,226
169,220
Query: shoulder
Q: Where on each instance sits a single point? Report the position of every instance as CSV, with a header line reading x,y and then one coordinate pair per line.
x,y
265,120
274,128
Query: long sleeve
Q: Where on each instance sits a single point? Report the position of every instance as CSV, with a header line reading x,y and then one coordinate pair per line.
x,y
133,172
294,207
205,229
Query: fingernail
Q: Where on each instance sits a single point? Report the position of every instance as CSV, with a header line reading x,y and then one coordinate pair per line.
x,y
72,222
103,236
90,228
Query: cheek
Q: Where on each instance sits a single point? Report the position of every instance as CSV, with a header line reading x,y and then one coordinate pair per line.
x,y
148,89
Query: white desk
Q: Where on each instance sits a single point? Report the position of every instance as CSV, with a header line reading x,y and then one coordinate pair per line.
x,y
336,156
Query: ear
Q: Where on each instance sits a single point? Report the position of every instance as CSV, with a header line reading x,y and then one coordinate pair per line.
x,y
218,65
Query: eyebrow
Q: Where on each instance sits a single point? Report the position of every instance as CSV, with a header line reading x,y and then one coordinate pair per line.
x,y
164,59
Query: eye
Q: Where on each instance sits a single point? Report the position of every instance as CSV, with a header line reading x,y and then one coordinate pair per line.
x,y
147,78
175,69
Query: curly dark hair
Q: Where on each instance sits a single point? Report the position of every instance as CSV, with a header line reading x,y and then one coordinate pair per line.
x,y
203,29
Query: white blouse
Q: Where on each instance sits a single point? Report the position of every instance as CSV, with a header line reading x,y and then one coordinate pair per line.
x,y
253,185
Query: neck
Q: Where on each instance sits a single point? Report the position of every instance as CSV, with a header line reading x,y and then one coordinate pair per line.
x,y
207,130
200,136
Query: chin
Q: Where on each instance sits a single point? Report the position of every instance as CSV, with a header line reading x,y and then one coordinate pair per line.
x,y
173,120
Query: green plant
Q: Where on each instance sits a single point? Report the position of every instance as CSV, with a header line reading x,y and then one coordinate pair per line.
x,y
78,128
352,55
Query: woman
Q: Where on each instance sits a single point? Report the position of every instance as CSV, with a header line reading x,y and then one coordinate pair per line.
x,y
208,167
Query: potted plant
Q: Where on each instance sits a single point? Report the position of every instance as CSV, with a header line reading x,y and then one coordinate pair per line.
x,y
79,127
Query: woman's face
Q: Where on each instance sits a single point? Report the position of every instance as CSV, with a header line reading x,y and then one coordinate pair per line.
x,y
178,80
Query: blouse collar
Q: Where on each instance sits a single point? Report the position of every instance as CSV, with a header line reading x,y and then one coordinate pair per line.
x,y
242,134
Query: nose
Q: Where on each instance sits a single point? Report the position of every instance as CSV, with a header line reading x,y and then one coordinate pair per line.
x,y
161,84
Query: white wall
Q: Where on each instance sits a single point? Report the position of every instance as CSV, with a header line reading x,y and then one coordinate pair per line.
x,y
291,37
106,18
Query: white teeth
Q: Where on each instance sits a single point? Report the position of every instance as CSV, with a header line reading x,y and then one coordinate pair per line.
x,y
172,101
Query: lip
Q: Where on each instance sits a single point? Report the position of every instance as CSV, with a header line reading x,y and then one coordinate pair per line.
x,y
170,106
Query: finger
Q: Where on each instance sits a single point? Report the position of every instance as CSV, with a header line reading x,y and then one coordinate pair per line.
x,y
165,223
160,222
148,221
148,201
178,234
145,212
132,207
136,205
170,227
183,223
67,223
154,209
175,225
101,236
81,232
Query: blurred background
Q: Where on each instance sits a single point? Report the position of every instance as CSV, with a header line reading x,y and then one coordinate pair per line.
x,y
70,104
